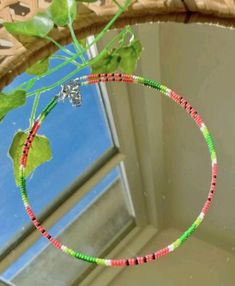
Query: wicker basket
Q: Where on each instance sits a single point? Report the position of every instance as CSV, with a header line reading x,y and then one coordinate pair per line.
x,y
16,56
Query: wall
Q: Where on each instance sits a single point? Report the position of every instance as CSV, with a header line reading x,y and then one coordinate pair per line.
x,y
198,62
196,263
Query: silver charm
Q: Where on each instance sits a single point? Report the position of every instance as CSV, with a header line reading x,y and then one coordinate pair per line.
x,y
71,90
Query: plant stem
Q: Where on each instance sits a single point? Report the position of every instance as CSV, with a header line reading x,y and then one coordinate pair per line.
x,y
59,46
110,44
74,57
43,89
34,109
30,83
119,6
78,47
48,72
90,62
64,59
110,23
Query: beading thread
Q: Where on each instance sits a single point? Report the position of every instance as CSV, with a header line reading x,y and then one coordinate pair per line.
x,y
115,77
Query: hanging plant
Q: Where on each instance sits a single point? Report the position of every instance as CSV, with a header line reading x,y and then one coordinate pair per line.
x,y
11,101
122,52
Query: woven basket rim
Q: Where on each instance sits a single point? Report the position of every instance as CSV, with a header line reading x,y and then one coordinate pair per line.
x,y
13,66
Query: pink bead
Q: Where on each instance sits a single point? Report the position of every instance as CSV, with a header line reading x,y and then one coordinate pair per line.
x,y
162,252
215,169
183,102
40,228
56,243
23,160
140,260
210,196
193,113
94,81
188,108
131,261
36,223
114,262
213,180
128,80
206,207
45,234
149,257
30,212
213,187
165,250
198,120
175,96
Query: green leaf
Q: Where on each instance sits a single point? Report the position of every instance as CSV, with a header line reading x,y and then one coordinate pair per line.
x,y
40,25
136,44
1,119
129,56
31,83
83,42
106,64
11,101
39,68
39,153
63,12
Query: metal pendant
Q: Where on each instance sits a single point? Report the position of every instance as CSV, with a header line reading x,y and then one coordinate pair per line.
x,y
71,90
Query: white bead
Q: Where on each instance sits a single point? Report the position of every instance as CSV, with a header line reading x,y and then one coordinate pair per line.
x,y
202,215
214,161
171,247
108,262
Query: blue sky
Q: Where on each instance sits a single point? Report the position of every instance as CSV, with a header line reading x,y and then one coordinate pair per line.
x,y
78,137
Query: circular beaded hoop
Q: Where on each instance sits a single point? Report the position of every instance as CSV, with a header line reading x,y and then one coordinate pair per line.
x,y
92,79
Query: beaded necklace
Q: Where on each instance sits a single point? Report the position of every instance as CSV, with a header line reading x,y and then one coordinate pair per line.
x,y
72,91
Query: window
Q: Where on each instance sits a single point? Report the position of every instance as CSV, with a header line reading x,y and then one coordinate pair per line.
x,y
108,175
69,131
91,226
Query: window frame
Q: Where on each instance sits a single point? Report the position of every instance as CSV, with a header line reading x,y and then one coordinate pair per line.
x,y
71,195
120,116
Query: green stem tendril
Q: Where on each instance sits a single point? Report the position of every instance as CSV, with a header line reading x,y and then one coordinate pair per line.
x,y
119,6
90,62
64,58
78,47
62,48
34,109
74,57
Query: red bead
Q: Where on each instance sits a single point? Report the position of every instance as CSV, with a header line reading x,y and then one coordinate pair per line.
x,y
131,261
198,120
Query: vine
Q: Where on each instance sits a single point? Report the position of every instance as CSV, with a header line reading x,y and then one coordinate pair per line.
x,y
122,52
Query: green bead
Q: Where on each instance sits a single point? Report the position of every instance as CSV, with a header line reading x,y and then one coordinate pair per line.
x,y
164,89
177,243
213,155
141,80
198,221
100,261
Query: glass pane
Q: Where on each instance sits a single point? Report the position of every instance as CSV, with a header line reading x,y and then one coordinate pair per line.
x,y
78,137
98,219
